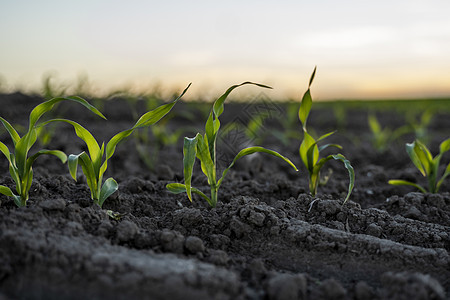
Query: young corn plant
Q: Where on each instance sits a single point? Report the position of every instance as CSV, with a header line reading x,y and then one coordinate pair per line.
x,y
427,165
310,151
20,164
95,162
203,147
382,137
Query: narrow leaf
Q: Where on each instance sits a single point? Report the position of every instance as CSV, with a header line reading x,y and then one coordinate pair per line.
x,y
189,154
251,150
12,132
61,155
404,182
312,76
85,136
218,104
46,106
351,173
178,188
4,149
155,115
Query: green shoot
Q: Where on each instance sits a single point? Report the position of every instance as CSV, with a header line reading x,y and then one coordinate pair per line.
x,y
20,164
427,165
310,151
382,137
203,147
95,162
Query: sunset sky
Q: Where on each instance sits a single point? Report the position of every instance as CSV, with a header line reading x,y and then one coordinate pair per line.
x,y
363,49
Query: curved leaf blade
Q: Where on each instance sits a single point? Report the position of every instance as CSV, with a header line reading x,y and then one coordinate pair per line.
x,y
110,186
46,106
251,150
351,173
405,182
178,188
12,132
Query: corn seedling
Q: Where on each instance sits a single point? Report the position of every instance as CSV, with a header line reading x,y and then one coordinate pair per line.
x,y
427,165
310,151
382,137
95,162
20,164
204,148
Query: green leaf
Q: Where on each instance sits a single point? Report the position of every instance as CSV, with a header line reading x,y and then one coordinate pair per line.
x,y
88,171
207,164
85,136
4,149
325,136
444,146
374,125
6,191
251,150
312,76
155,115
329,145
218,104
178,188
309,157
305,108
109,187
446,174
46,106
411,150
149,118
305,105
189,154
12,132
61,155
351,173
404,182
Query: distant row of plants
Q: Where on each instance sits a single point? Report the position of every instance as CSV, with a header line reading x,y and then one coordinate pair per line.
x,y
202,146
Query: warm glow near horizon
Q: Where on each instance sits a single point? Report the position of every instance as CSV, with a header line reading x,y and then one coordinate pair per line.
x,y
363,49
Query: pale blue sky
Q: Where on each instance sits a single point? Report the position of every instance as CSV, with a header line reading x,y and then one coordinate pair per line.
x,y
368,49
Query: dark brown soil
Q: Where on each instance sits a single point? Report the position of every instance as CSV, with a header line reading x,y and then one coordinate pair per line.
x,y
266,239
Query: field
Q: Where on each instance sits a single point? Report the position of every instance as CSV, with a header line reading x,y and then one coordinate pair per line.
x,y
267,238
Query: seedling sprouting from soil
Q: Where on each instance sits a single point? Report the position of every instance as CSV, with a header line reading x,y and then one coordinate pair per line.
x,y
427,165
204,148
20,165
95,162
310,151
382,137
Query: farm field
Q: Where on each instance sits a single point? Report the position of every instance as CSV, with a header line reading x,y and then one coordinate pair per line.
x,y
267,237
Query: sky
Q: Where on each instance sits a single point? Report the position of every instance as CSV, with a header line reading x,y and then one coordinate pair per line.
x,y
362,49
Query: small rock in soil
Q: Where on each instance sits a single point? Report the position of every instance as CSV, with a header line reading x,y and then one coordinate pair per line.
x,y
126,231
287,286
332,289
218,257
172,241
194,244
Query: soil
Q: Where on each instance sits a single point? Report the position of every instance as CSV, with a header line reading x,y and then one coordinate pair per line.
x,y
268,238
